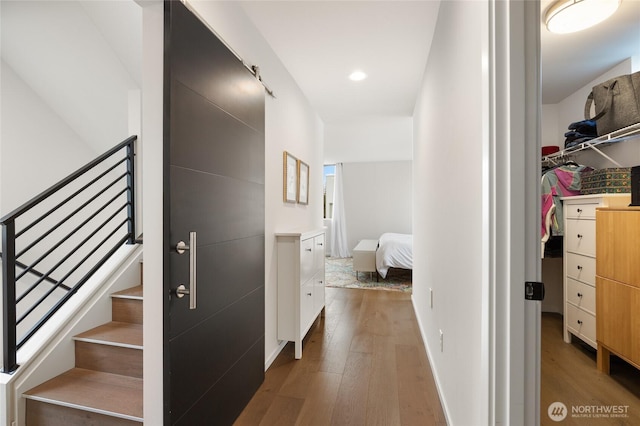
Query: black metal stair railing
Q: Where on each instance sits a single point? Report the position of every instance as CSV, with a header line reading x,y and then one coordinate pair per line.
x,y
54,243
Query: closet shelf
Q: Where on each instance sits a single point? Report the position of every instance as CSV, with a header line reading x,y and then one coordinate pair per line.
x,y
594,144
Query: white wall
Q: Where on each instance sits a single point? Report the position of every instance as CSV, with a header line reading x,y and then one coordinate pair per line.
x,y
448,208
369,139
66,54
38,146
378,198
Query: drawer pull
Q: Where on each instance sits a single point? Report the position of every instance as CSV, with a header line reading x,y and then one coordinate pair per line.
x,y
320,244
580,322
579,268
307,249
579,235
308,294
580,295
579,210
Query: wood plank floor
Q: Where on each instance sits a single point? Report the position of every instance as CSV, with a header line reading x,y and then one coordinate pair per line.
x,y
569,375
363,363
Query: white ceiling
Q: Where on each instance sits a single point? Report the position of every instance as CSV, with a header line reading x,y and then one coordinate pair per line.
x,y
321,42
570,61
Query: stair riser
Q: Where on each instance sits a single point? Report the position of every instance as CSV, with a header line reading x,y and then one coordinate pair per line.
x,y
43,414
110,359
126,310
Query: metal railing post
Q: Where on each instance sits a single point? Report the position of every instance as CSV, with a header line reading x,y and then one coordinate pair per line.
x,y
131,195
9,362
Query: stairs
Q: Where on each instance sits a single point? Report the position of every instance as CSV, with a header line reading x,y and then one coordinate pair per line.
x,y
105,387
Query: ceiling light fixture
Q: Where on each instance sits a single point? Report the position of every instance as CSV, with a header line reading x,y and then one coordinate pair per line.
x,y
568,16
357,76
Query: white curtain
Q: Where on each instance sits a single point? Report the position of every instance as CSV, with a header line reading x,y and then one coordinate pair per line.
x,y
339,246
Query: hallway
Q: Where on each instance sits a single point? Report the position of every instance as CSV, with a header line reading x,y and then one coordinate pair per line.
x,y
363,363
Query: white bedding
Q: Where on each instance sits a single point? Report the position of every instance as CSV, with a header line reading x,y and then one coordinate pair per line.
x,y
394,251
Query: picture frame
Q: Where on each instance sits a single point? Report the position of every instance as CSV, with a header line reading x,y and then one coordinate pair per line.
x,y
303,182
290,178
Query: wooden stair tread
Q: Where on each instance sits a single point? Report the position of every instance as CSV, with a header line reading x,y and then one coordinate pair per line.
x,y
114,333
129,293
95,391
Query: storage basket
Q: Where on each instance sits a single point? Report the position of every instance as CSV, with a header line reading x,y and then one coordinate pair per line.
x,y
610,181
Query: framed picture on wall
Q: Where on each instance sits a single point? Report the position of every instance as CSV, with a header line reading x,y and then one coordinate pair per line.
x,y
303,182
290,178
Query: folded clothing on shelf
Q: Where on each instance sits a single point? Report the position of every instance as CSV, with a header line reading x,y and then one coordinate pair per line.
x,y
579,132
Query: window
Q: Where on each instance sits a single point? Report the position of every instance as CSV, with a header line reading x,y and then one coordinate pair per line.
x,y
328,184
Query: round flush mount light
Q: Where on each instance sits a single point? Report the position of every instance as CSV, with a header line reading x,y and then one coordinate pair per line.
x,y
357,76
568,16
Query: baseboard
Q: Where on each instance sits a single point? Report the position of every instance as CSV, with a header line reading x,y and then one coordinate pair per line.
x,y
274,355
443,401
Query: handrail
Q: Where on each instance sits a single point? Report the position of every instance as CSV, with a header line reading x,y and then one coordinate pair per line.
x,y
64,182
73,228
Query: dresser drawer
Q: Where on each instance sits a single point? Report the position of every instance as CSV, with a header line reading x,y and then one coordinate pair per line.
x,y
581,268
582,210
307,268
306,305
582,324
580,236
318,291
581,295
318,252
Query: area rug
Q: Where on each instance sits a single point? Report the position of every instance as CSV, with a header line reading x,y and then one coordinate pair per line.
x,y
339,273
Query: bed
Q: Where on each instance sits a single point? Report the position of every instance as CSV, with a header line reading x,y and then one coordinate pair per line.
x,y
394,251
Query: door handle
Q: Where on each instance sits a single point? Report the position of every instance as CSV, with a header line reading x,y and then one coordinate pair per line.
x,y
181,247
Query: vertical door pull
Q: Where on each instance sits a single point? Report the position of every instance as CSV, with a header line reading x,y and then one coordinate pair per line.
x,y
181,247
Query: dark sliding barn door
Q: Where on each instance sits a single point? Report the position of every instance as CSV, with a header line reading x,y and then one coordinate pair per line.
x,y
214,187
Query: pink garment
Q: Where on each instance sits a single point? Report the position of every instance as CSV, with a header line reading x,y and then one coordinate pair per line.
x,y
563,181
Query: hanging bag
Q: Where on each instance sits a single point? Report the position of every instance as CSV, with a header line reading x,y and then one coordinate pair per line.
x,y
617,103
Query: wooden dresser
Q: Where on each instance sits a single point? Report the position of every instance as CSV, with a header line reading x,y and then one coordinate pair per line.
x,y
579,259
300,283
618,285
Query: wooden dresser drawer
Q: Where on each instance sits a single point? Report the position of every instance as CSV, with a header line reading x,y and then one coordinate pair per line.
x,y
618,235
582,324
581,268
580,236
618,307
581,295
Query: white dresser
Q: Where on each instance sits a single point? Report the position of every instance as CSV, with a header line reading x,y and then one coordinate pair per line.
x,y
301,257
580,262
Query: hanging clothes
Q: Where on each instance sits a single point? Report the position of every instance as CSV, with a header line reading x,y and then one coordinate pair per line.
x,y
562,181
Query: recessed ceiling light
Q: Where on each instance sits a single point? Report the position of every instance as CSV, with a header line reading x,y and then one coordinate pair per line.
x,y
357,76
567,16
